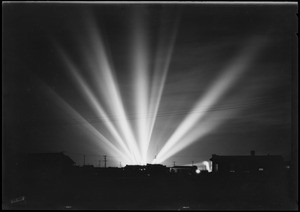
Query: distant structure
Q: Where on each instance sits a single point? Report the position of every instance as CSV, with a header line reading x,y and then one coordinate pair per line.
x,y
159,169
134,168
156,169
186,170
247,163
149,169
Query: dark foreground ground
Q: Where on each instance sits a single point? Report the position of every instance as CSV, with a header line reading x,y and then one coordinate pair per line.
x,y
101,191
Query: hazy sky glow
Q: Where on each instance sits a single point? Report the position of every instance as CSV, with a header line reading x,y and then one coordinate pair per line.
x,y
144,82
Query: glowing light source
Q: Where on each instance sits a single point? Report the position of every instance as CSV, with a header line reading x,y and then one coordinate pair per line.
x,y
208,165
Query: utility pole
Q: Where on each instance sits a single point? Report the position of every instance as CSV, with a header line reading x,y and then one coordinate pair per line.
x,y
104,161
84,160
99,163
173,163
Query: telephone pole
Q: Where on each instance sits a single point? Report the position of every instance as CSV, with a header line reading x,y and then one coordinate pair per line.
x,y
173,163
99,163
104,161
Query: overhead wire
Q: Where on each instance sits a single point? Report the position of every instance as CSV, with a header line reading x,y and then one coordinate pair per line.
x,y
175,113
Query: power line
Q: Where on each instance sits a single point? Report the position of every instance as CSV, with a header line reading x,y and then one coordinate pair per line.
x,y
183,111
112,117
90,155
85,156
167,114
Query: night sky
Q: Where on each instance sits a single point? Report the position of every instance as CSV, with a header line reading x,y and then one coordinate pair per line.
x,y
208,38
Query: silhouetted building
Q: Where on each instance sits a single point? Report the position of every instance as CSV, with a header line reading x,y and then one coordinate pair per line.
x,y
149,169
187,170
109,171
156,169
134,168
247,163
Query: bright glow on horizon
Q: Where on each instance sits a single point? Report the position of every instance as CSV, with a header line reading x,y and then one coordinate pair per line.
x,y
201,165
208,165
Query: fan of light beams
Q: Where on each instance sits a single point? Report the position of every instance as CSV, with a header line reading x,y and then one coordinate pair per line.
x,y
131,142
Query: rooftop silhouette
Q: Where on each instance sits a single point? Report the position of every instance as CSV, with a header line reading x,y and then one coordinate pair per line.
x,y
52,180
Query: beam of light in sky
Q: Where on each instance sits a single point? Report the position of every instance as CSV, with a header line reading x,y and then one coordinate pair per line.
x,y
141,79
229,76
161,70
110,86
105,143
196,133
93,101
